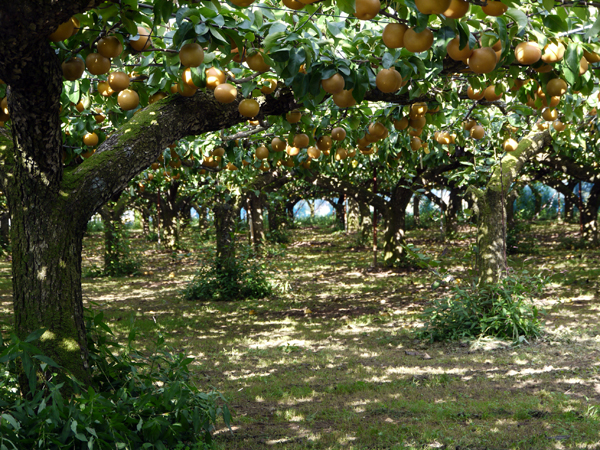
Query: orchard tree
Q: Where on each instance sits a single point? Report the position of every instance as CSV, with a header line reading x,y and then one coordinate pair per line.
x,y
95,92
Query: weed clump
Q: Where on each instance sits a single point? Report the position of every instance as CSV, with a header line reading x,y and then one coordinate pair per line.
x,y
504,310
229,279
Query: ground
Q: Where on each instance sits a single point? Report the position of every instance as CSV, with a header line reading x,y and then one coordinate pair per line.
x,y
332,360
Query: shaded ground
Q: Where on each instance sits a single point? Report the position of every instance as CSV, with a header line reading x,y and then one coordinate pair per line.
x,y
331,360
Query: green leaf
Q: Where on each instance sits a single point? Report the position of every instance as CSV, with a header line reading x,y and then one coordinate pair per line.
x,y
10,419
47,360
519,17
271,39
34,335
593,31
348,6
335,28
548,4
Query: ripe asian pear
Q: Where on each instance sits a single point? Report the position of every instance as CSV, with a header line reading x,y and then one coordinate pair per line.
x,y
109,47
128,99
393,35
432,6
225,93
482,60
418,42
457,9
334,84
366,9
528,53
191,55
143,41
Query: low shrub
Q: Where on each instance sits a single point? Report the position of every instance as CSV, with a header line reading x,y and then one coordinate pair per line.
x,y
517,242
134,402
232,279
279,236
119,259
504,310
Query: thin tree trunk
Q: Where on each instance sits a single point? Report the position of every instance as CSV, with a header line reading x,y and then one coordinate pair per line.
x,y
589,215
537,201
510,208
311,205
353,215
225,227
256,215
366,223
451,213
416,210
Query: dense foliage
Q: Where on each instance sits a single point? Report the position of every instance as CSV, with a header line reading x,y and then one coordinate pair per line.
x,y
135,401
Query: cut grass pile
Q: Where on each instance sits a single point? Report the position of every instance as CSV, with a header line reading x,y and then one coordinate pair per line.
x,y
331,360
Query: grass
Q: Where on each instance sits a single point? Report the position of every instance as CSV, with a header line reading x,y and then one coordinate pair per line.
x,y
331,362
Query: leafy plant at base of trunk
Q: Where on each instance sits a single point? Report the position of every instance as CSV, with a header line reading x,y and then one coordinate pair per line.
x,y
236,278
503,310
135,402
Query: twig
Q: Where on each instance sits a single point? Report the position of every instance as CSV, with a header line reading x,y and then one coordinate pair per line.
x,y
243,134
309,17
244,80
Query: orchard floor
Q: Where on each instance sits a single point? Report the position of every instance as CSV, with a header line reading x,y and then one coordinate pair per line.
x,y
331,360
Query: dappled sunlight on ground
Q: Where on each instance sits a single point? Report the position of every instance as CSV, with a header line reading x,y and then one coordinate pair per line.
x,y
333,361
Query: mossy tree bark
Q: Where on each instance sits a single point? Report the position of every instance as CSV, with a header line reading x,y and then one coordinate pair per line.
x,y
491,209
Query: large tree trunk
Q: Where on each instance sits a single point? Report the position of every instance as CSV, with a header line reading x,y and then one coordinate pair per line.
x,y
394,254
46,251
491,236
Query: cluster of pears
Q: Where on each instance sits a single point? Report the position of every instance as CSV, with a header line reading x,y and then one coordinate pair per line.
x,y
415,122
99,63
